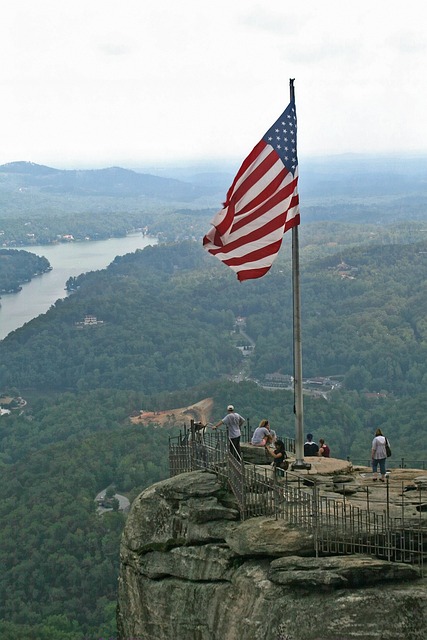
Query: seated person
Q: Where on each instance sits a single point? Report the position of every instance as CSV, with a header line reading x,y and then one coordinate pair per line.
x,y
279,455
324,450
262,434
310,448
273,436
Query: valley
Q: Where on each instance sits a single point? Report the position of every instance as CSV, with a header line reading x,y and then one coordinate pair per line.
x,y
102,401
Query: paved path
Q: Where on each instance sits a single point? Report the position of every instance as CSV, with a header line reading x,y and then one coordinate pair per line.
x,y
124,503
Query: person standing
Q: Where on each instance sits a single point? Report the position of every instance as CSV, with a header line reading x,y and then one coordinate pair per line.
x,y
233,421
379,455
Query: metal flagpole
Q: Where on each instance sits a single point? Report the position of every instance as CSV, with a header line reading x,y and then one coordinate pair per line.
x,y
298,396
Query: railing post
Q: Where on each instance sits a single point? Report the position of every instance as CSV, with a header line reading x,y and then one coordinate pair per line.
x,y
388,532
243,486
192,445
388,500
276,489
315,516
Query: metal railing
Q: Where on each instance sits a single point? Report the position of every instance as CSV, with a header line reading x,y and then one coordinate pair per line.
x,y
338,525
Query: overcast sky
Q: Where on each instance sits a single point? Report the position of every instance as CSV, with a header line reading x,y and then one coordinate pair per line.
x,y
95,83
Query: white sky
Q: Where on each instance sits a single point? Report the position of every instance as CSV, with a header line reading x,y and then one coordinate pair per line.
x,y
95,83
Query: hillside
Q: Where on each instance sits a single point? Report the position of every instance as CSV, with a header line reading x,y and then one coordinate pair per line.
x,y
169,316
17,267
199,412
112,181
364,320
168,351
54,547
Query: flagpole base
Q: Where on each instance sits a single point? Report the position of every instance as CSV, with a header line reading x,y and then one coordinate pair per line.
x,y
300,465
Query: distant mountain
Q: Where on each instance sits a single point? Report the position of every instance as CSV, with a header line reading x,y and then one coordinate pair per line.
x,y
112,181
341,178
27,168
355,176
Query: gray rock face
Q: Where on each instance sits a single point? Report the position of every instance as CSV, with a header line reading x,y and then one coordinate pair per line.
x,y
255,455
269,537
190,570
338,572
181,510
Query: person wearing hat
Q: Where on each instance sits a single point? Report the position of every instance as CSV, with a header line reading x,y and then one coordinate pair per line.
x,y
310,448
233,421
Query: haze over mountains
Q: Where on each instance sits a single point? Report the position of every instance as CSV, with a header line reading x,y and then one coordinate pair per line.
x,y
347,176
112,181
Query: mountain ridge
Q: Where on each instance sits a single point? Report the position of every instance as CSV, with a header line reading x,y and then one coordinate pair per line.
x,y
109,181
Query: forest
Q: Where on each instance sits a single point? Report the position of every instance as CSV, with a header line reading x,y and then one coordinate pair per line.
x,y
17,267
60,557
168,339
168,318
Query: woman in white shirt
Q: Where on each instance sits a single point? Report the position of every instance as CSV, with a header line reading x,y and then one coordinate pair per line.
x,y
262,434
379,455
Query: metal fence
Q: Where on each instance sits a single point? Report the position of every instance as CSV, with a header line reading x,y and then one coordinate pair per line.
x,y
339,527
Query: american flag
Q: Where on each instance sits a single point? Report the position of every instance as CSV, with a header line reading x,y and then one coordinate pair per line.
x,y
261,205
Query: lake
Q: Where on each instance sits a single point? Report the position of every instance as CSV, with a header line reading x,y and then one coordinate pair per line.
x,y
67,259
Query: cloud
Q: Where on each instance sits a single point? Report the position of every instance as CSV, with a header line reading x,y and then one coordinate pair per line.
x,y
115,47
108,79
408,42
262,18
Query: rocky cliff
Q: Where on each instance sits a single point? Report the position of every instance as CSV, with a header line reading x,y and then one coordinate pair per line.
x,y
190,570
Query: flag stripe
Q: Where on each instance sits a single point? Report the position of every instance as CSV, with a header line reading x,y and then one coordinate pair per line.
x,y
270,216
244,186
256,255
248,243
263,208
259,174
251,274
252,157
266,235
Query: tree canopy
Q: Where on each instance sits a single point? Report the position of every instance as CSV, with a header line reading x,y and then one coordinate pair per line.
x,y
168,338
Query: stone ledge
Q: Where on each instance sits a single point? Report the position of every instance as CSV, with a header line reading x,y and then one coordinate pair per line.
x,y
338,572
268,537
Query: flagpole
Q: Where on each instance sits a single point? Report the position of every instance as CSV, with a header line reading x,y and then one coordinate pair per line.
x,y
298,395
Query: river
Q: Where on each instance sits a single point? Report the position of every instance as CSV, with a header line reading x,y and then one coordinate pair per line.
x,y
70,259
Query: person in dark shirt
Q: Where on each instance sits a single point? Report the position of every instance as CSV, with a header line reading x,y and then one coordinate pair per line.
x,y
310,448
279,455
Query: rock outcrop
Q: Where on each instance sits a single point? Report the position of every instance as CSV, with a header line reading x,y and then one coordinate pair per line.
x,y
190,570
